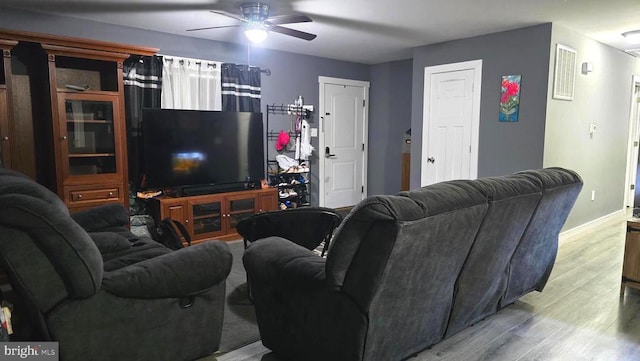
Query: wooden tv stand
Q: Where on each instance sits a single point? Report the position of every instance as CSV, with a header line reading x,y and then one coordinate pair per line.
x,y
214,216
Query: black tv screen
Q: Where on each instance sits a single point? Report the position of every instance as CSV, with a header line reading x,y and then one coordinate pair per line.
x,y
194,147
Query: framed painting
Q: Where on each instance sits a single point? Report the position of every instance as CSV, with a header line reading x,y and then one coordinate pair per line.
x,y
510,98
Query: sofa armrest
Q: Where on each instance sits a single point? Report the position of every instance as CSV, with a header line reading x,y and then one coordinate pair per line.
x,y
102,217
177,274
282,263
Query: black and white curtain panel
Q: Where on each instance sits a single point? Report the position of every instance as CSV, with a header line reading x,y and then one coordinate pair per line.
x,y
240,88
142,89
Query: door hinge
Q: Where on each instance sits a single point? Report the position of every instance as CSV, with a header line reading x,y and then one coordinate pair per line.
x,y
363,103
633,186
362,190
363,147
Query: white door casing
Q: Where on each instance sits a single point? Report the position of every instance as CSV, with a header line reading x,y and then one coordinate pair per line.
x,y
634,138
451,122
343,111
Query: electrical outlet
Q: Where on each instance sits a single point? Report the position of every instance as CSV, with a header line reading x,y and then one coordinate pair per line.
x,y
593,195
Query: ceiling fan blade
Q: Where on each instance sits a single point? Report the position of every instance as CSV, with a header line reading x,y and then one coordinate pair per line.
x,y
214,27
291,32
233,16
288,19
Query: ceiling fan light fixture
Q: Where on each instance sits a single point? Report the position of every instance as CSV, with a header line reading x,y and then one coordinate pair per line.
x,y
632,37
255,32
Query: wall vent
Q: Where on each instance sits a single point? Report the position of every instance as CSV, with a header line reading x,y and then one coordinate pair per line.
x,y
565,72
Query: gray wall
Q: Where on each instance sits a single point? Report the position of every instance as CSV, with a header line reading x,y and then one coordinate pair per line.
x,y
291,74
389,119
602,97
503,147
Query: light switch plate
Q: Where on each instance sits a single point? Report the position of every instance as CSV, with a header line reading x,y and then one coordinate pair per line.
x,y
314,132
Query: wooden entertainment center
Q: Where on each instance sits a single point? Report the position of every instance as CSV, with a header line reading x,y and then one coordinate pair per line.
x,y
62,123
62,115
213,215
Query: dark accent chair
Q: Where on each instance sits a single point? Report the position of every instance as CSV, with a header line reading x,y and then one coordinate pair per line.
x,y
305,226
86,281
405,271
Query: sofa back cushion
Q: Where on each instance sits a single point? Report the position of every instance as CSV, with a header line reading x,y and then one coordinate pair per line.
x,y
535,255
512,202
55,239
398,258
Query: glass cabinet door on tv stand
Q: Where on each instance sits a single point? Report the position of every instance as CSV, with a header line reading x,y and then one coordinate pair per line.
x,y
206,217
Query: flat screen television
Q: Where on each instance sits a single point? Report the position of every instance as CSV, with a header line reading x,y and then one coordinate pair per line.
x,y
195,148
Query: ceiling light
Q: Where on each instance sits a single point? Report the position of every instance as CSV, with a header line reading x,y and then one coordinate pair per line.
x,y
632,37
255,32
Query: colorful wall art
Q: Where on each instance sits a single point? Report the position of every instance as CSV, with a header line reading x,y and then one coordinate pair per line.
x,y
510,98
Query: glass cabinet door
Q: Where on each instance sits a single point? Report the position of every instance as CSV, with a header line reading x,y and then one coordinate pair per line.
x,y
206,217
240,207
4,132
90,137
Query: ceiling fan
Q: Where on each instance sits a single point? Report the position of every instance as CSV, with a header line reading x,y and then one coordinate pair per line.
x,y
257,22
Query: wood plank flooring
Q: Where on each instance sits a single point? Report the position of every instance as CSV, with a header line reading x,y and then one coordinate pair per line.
x,y
578,316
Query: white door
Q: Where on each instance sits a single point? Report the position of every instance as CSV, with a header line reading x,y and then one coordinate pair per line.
x,y
343,112
451,121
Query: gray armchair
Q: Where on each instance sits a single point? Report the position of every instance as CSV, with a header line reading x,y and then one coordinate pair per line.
x,y
87,282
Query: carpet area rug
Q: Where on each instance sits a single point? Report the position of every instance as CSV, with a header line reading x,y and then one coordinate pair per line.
x,y
239,327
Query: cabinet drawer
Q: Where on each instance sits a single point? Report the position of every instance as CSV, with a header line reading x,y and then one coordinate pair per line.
x,y
94,194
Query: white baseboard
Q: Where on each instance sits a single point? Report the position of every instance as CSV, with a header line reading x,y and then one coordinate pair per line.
x,y
577,232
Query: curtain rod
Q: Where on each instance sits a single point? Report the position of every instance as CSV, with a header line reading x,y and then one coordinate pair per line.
x,y
265,71
196,61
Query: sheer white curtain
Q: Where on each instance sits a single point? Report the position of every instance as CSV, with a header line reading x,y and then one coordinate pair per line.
x,y
191,84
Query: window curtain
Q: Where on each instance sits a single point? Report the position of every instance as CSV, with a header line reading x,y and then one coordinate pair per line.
x,y
142,88
191,84
240,88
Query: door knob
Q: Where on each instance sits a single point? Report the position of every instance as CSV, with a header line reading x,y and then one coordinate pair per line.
x,y
327,153
431,160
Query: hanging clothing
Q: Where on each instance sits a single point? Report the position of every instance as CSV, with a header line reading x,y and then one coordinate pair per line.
x,y
304,149
241,88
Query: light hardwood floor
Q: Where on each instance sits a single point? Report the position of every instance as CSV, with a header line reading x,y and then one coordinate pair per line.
x,y
578,316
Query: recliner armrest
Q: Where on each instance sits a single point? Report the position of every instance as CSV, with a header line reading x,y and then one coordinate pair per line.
x,y
280,262
102,217
177,274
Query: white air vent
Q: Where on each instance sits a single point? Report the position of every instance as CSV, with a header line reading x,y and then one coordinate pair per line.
x,y
565,72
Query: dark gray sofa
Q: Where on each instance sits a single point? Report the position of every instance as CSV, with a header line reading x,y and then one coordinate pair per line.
x,y
405,271
86,281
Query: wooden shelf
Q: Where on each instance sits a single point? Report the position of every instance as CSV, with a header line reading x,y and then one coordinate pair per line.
x,y
89,155
90,121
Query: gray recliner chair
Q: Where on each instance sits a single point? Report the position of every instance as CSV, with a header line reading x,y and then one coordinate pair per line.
x,y
86,281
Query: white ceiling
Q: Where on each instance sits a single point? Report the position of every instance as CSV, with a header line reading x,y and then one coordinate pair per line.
x,y
363,31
